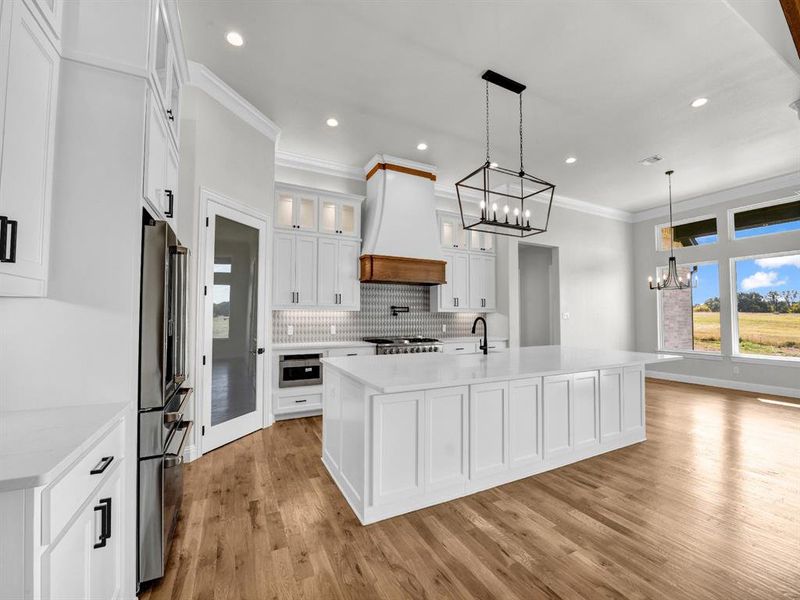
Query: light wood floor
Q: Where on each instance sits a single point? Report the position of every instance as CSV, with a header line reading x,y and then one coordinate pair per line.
x,y
708,507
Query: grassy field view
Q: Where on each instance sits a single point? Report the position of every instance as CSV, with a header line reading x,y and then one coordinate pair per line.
x,y
759,333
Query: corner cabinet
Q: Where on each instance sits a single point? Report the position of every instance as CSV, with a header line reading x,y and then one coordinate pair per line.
x,y
29,73
317,249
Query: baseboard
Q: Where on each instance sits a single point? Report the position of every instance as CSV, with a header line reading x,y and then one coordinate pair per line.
x,y
743,386
190,454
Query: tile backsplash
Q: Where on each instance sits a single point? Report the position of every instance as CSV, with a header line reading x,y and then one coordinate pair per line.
x,y
374,319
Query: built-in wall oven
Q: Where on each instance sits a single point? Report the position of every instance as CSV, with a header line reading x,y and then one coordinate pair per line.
x,y
163,397
296,370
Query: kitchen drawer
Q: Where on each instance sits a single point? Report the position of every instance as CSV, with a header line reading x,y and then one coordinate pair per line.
x,y
366,351
460,348
62,498
497,346
300,402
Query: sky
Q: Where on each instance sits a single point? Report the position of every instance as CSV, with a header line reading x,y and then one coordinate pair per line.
x,y
764,274
707,283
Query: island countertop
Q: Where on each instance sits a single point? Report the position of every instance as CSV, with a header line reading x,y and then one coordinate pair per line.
x,y
390,374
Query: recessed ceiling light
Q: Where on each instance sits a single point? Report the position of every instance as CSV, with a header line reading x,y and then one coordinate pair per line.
x,y
332,122
234,38
698,102
422,146
570,160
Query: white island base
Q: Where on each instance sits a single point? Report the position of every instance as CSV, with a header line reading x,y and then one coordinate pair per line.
x,y
404,432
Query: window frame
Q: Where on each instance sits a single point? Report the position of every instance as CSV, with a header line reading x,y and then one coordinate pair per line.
x,y
660,226
731,214
736,354
709,354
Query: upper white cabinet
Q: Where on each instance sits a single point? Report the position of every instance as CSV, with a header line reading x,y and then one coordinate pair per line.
x,y
164,71
482,283
451,233
295,210
339,216
481,241
29,69
161,165
329,221
453,295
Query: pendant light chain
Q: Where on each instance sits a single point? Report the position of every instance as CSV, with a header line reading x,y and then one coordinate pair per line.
x,y
487,121
521,166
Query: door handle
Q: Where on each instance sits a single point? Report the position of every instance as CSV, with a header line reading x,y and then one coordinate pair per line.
x,y
169,213
104,507
8,240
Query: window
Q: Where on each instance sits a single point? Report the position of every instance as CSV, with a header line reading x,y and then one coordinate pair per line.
x,y
768,305
222,298
690,317
691,233
774,217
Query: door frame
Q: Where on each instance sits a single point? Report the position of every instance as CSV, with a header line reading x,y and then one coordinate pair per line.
x,y
202,339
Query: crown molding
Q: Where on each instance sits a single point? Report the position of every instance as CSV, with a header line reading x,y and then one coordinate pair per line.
x,y
789,181
317,165
402,162
203,78
287,186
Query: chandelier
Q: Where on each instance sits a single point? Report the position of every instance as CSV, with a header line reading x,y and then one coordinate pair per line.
x,y
515,190
671,279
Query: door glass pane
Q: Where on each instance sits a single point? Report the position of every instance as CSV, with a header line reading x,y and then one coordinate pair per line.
x,y
348,219
306,217
461,235
475,241
447,234
284,216
161,52
488,241
328,215
233,368
174,101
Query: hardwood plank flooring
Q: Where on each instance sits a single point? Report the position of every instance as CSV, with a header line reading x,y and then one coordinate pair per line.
x,y
707,507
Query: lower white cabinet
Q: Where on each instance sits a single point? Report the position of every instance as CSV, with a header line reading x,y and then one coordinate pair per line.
x,y
633,398
29,78
571,407
611,385
525,421
338,287
488,436
587,409
446,437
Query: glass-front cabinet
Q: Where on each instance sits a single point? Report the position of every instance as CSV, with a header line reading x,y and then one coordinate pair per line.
x,y
339,216
481,241
296,210
451,232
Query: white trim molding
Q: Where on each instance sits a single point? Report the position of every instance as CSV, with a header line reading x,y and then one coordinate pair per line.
x,y
282,185
317,165
743,386
203,78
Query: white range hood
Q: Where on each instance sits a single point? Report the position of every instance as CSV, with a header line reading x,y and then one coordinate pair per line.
x,y
400,230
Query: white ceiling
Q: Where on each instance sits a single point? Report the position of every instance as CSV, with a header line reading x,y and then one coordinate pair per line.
x,y
608,81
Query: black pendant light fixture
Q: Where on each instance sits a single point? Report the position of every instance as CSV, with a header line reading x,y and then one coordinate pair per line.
x,y
507,195
671,279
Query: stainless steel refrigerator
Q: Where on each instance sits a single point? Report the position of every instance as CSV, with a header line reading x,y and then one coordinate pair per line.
x,y
163,396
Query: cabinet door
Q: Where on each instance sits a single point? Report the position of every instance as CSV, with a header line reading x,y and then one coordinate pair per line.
x,y
397,434
173,102
106,568
481,241
446,431
525,406
171,187
586,403
156,157
557,415
490,284
451,233
610,404
28,94
347,275
461,270
328,291
328,215
444,292
305,270
284,211
283,271
350,218
477,281
488,442
159,52
305,212
633,398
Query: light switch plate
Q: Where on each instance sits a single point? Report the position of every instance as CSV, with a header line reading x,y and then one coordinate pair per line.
x,y
290,330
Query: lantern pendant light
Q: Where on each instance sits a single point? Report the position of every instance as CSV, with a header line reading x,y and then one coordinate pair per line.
x,y
671,280
516,190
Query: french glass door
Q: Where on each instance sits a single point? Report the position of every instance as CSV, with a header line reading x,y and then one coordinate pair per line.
x,y
235,307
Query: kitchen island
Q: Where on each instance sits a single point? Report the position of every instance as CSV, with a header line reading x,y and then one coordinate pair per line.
x,y
404,432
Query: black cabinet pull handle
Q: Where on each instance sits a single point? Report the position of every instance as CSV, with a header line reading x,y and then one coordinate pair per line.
x,y
170,116
105,514
8,240
300,401
171,197
102,465
260,351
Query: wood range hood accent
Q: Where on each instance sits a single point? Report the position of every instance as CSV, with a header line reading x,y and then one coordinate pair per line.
x,y
400,229
400,269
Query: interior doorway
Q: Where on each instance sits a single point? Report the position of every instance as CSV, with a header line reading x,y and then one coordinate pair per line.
x,y
234,329
539,306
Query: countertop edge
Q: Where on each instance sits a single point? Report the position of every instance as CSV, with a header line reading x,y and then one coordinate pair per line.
x,y
47,477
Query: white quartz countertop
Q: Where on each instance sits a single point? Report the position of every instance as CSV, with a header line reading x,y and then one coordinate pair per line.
x,y
36,445
408,372
362,344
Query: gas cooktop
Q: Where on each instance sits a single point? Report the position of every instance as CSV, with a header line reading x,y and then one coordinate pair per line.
x,y
405,345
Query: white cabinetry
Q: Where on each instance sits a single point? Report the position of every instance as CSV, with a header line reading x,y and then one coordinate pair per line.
x,y
488,439
633,399
446,437
164,72
587,409
525,421
482,284
481,241
296,209
29,69
294,271
611,385
339,216
454,293
338,285
451,232
557,410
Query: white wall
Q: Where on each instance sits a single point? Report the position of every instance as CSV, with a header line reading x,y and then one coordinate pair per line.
x,y
595,280
761,375
323,182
